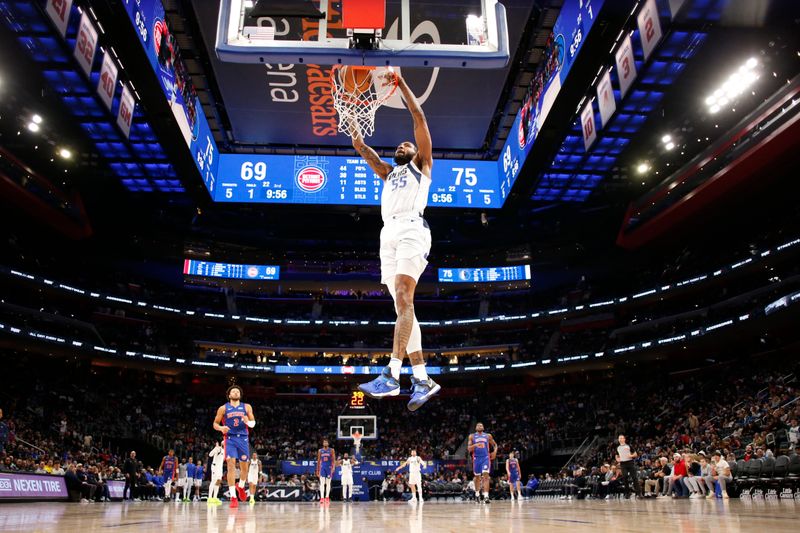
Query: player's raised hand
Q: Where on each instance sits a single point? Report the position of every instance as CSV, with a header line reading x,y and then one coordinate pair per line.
x,y
391,77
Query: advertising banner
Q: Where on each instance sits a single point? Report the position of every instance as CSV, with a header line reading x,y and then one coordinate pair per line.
x,y
32,486
374,470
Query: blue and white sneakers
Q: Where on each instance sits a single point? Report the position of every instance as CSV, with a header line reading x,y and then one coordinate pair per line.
x,y
421,392
383,385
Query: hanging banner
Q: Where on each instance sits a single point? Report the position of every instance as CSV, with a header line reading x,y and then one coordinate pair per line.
x,y
605,98
125,114
588,125
86,44
58,11
108,81
649,27
675,6
626,68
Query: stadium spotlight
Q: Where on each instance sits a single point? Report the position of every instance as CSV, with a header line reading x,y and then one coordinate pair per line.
x,y
36,119
33,126
642,168
65,153
670,145
666,139
736,84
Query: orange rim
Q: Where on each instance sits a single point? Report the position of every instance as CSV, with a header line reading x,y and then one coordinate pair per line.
x,y
348,97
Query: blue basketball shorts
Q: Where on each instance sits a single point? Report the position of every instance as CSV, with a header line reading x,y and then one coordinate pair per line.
x,y
237,447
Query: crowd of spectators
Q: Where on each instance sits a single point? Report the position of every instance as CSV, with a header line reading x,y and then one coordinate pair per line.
x,y
69,412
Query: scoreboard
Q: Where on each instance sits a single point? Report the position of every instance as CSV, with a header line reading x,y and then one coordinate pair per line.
x,y
338,180
211,269
485,275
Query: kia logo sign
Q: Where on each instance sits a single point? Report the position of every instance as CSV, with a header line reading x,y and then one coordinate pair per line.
x,y
281,494
311,179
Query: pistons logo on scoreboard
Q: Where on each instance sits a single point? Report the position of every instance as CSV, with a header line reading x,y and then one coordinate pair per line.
x,y
311,179
252,272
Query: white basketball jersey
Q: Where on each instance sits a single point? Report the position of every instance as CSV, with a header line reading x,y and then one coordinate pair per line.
x,y
414,464
218,455
347,468
404,191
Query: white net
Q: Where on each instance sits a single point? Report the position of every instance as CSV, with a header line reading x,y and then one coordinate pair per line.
x,y
357,441
357,93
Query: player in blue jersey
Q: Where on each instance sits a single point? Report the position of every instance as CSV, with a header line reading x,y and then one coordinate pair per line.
x,y
199,473
405,245
484,450
188,481
326,459
169,470
234,420
514,476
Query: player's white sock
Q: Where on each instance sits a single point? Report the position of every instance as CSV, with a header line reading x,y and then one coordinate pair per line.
x,y
241,483
485,495
232,491
394,366
420,372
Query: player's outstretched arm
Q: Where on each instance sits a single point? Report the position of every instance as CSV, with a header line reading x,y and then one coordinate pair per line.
x,y
401,466
422,136
251,420
378,165
218,420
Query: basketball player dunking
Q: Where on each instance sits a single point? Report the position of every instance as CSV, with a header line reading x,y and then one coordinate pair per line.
x,y
405,245
514,476
169,469
326,458
233,420
479,443
415,465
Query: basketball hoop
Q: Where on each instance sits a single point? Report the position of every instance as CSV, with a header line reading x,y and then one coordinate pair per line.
x,y
357,440
357,94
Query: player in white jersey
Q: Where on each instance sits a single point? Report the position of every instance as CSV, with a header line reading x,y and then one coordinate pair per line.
x,y
253,472
405,245
347,463
217,456
415,465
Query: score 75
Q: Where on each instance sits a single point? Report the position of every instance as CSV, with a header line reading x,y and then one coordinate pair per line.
x,y
468,173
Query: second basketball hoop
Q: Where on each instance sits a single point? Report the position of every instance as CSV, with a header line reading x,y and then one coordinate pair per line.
x,y
357,93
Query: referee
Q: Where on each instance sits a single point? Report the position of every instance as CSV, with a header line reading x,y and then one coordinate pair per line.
x,y
625,459
131,470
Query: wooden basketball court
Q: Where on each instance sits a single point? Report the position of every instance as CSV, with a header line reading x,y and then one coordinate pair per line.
x,y
380,517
